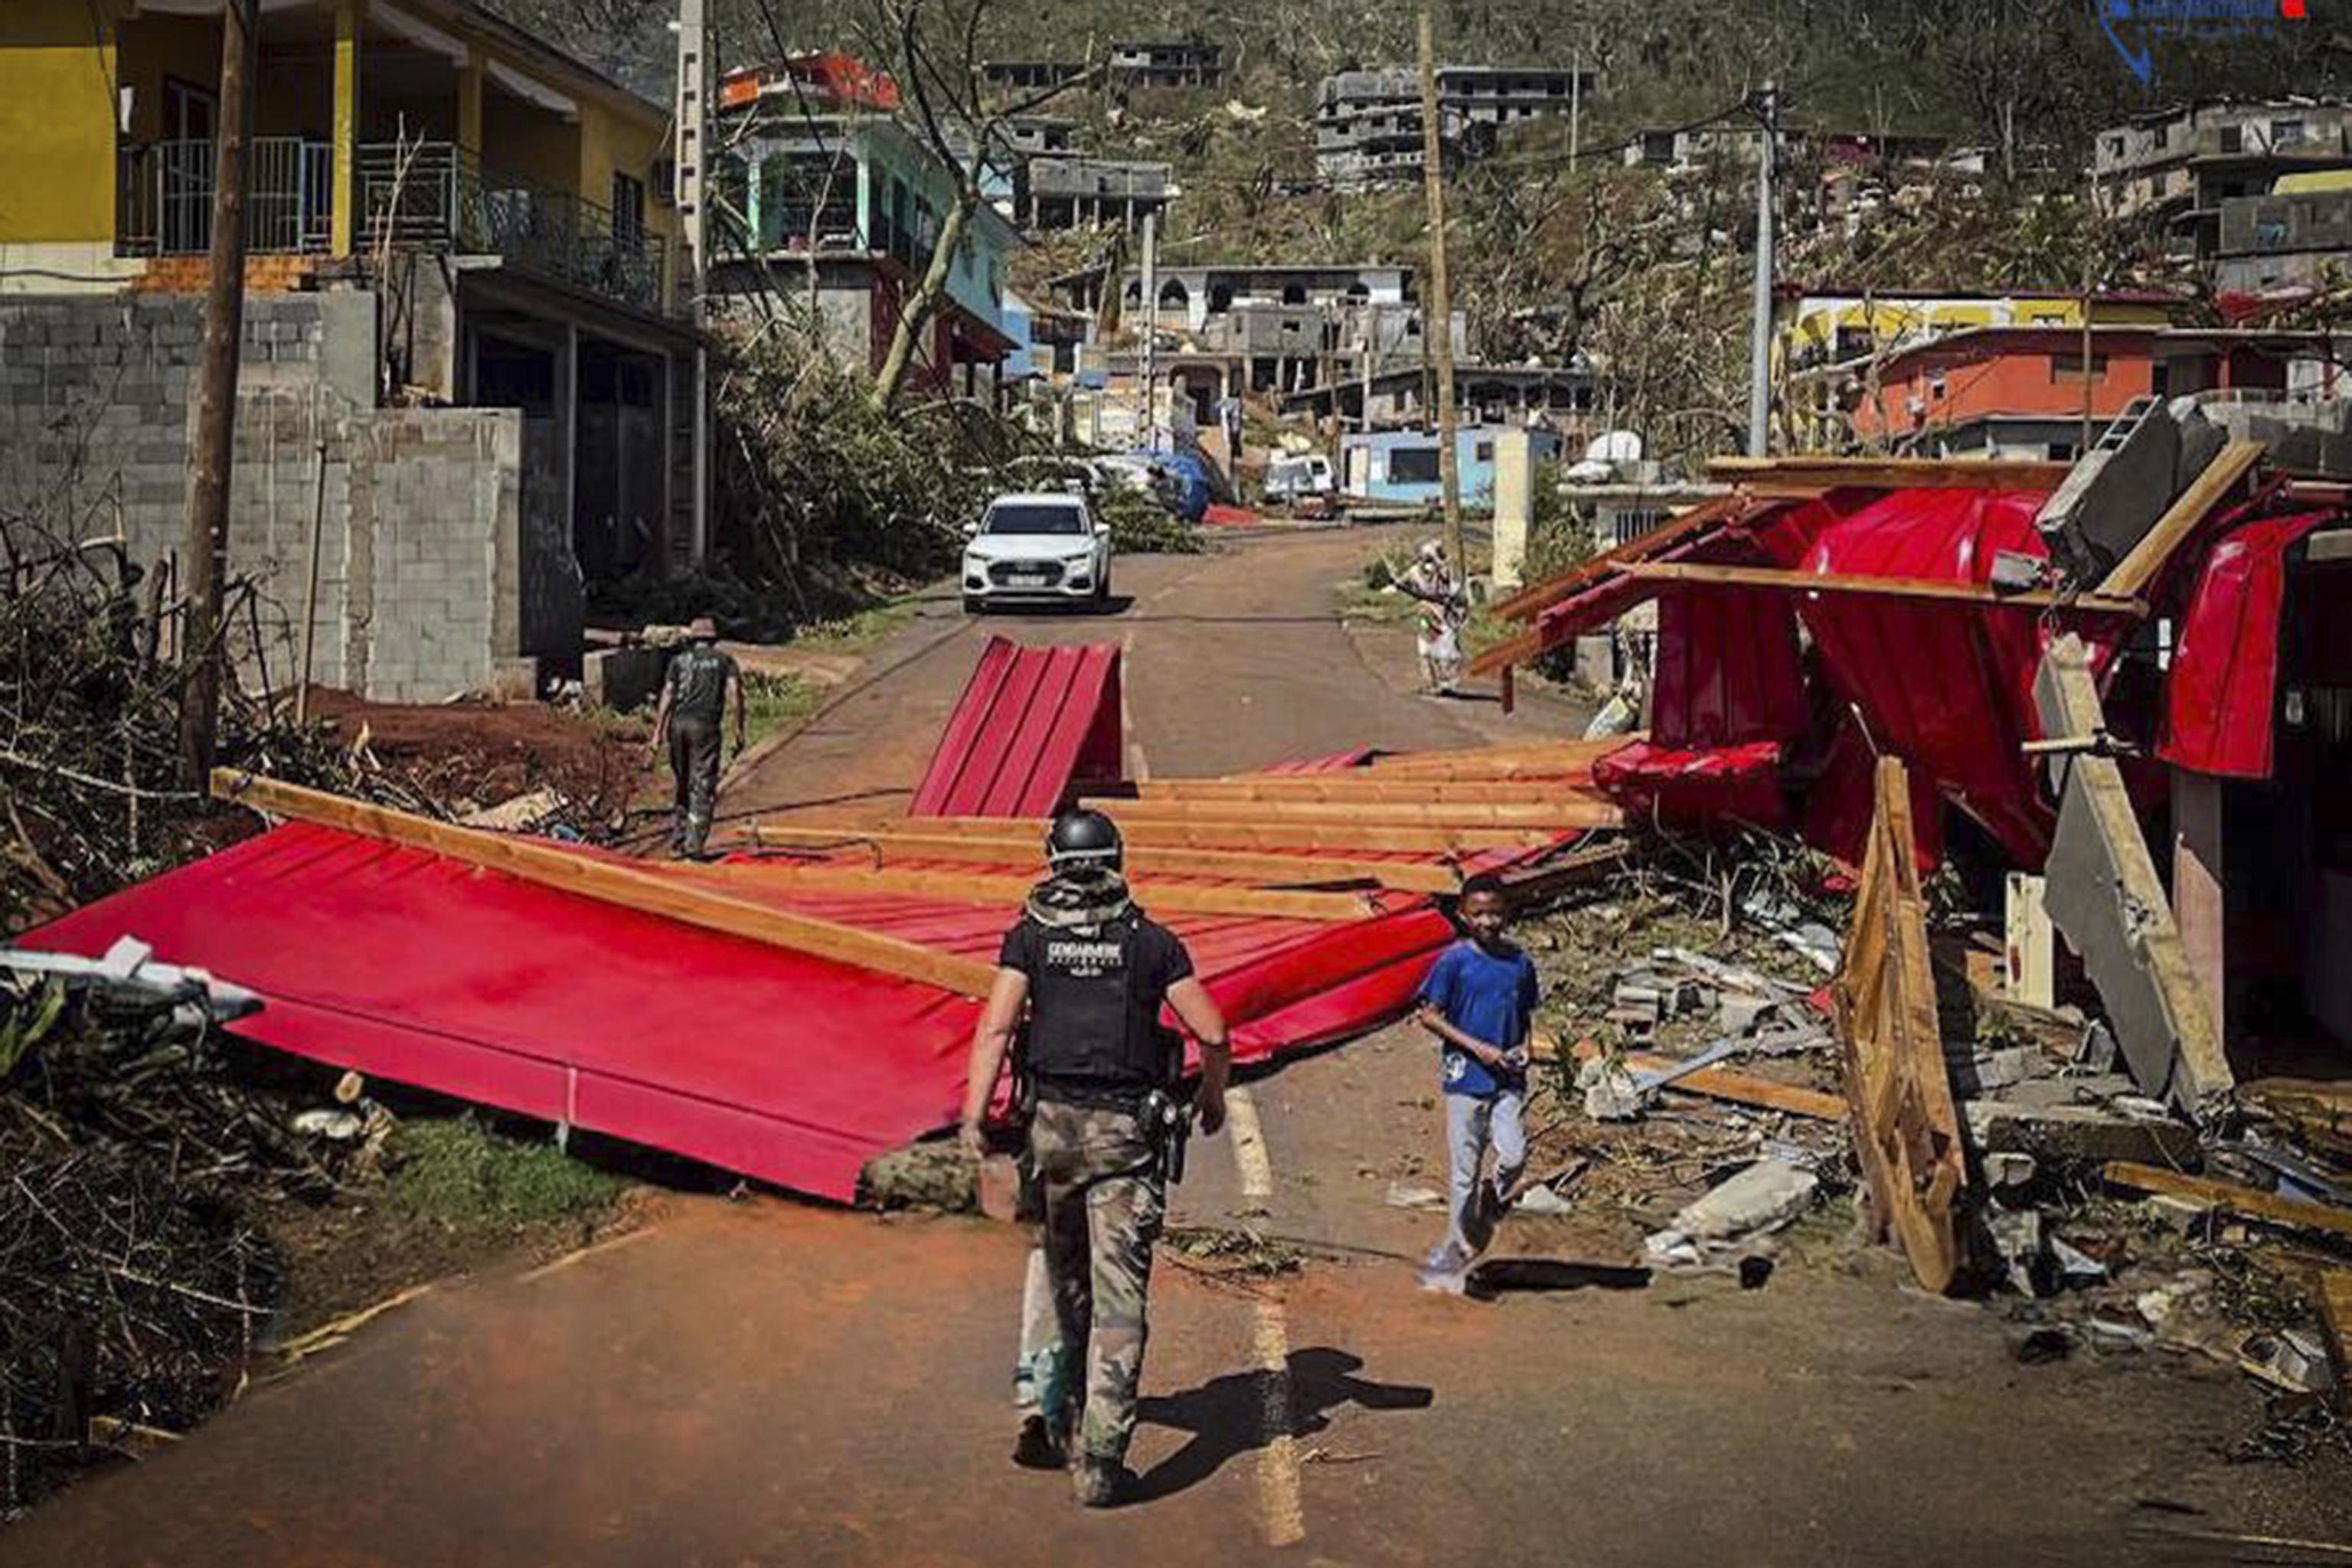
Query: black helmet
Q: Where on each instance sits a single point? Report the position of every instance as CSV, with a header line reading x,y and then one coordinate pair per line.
x,y
1083,838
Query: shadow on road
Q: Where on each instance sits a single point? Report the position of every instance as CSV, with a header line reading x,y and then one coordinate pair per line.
x,y
1497,1275
1228,1417
1053,610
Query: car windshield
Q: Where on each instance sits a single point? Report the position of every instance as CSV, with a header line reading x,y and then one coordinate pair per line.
x,y
1035,519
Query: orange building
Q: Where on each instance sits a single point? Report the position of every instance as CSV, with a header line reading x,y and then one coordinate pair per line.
x,y
2024,392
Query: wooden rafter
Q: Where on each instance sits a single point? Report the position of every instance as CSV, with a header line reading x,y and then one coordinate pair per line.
x,y
1008,891
1492,762
1538,597
1739,1087
670,895
1568,811
1825,473
1256,833
2221,479
890,846
1343,790
1933,588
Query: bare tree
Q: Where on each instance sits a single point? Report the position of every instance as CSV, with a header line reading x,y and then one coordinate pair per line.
x,y
937,46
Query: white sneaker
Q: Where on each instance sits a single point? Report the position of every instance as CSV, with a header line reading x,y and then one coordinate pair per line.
x,y
1445,1282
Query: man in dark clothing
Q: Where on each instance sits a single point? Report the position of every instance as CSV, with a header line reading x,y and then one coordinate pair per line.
x,y
1093,971
695,693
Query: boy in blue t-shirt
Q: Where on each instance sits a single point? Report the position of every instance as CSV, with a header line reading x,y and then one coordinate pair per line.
x,y
1479,1000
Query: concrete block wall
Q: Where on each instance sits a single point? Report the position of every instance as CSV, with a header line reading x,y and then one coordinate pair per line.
x,y
429,580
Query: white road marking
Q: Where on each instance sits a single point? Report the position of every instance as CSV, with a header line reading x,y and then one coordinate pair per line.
x,y
1137,769
1282,1515
1249,1145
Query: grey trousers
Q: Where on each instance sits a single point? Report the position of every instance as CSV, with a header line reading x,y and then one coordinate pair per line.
x,y
1472,1127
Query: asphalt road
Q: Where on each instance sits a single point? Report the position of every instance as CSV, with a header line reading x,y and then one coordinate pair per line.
x,y
770,1382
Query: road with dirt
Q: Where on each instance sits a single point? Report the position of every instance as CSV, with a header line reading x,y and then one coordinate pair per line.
x,y
772,1382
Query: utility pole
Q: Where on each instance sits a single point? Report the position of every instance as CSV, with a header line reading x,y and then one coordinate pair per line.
x,y
212,411
692,118
1151,314
1575,104
1760,342
2089,254
1440,326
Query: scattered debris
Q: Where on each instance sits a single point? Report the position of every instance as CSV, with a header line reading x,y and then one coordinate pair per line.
x,y
1761,1198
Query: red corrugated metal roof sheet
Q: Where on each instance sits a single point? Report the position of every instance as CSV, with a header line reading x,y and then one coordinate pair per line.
x,y
2222,696
1032,723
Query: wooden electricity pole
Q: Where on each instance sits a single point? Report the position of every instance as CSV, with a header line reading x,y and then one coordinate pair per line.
x,y
212,410
1439,327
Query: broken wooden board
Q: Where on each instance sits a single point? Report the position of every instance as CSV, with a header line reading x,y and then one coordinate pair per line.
x,y
2136,572
890,847
1906,1132
1010,892
1724,1083
612,883
2231,1197
2317,1115
2103,893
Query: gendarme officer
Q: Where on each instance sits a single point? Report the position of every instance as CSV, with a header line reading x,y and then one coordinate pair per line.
x,y
1105,1126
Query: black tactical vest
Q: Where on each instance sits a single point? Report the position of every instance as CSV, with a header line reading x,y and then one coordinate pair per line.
x,y
1094,1012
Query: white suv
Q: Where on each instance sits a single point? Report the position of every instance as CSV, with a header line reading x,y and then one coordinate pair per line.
x,y
1037,547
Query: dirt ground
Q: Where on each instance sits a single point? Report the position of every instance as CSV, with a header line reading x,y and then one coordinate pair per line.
x,y
470,755
770,1381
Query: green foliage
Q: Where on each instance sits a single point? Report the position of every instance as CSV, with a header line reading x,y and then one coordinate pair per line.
x,y
773,699
1141,526
30,1016
461,1172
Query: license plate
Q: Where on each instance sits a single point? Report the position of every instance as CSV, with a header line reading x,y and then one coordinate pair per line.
x,y
1028,577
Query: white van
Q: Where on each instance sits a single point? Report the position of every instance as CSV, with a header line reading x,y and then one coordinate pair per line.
x,y
1295,477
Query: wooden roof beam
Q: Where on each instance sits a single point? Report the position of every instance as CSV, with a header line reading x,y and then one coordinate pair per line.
x,y
625,886
1924,588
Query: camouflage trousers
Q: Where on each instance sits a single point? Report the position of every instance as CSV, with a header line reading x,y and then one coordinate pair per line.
x,y
1105,1198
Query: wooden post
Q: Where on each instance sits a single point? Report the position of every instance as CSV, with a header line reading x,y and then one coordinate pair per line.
x,y
2030,949
311,593
2199,889
212,410
1438,326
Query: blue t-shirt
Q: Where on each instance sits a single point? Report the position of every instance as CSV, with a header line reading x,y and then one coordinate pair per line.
x,y
1488,996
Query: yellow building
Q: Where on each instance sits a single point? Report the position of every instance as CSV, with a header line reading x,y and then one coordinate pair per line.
x,y
445,216
427,122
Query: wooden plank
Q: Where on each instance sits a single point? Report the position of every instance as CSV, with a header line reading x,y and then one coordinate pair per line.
x,y
1483,762
1533,790
1739,1087
974,888
2335,1293
1906,1128
1371,837
1891,473
1768,578
2230,1197
889,845
2138,569
626,886
1568,813
1537,597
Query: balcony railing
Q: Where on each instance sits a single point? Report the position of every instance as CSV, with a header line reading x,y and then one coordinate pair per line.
x,y
435,194
164,197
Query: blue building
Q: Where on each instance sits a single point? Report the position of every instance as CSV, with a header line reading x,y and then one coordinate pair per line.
x,y
1401,466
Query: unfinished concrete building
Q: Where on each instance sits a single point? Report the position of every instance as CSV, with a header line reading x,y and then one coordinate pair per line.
x,y
1183,62
1064,193
2181,165
1368,126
